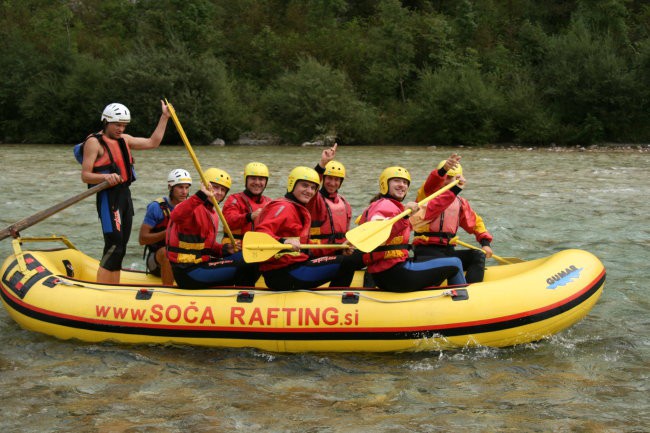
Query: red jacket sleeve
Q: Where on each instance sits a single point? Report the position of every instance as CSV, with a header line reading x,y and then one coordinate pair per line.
x,y
197,216
279,220
235,212
472,222
433,183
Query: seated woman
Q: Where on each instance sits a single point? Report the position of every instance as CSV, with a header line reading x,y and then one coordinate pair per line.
x,y
198,260
389,264
288,220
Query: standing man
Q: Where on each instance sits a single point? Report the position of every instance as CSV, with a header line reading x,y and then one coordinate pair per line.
x,y
107,157
154,227
242,210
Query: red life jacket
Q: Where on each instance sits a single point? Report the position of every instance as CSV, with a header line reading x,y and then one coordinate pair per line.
x,y
192,233
117,158
441,229
235,211
333,222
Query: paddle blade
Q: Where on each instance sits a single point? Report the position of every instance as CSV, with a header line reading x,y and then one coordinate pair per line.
x,y
258,255
258,247
370,235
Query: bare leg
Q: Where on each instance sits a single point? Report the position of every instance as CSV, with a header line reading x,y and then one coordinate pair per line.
x,y
166,273
108,277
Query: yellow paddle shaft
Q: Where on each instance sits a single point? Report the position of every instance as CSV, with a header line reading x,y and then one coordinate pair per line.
x,y
504,260
205,182
279,246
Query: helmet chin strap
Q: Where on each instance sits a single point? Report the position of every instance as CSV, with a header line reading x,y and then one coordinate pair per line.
x,y
389,195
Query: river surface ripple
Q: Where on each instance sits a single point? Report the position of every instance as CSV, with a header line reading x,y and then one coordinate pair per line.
x,y
590,378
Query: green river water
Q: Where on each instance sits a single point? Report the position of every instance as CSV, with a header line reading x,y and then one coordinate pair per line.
x,y
593,377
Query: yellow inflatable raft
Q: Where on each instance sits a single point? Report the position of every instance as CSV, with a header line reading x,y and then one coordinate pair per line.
x,y
53,292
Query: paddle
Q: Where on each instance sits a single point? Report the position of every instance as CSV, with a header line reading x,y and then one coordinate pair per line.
x,y
502,260
258,247
371,234
16,227
205,182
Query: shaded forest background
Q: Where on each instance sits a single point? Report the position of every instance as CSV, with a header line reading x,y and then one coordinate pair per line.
x,y
369,71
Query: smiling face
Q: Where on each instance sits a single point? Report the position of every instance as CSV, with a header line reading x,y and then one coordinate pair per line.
x,y
397,188
304,190
332,183
219,191
256,184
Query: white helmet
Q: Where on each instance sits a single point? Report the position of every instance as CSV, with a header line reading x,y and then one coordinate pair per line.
x,y
178,176
116,113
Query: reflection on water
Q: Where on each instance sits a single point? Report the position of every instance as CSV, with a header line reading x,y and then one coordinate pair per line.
x,y
592,377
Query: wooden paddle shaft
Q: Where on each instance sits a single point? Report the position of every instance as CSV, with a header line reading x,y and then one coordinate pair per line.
x,y
16,227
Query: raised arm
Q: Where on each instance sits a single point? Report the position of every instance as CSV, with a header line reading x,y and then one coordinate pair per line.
x,y
156,137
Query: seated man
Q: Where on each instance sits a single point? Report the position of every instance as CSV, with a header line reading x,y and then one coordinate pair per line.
x,y
241,210
154,227
198,259
287,220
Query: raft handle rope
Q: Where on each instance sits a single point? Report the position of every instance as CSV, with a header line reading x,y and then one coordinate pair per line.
x,y
248,295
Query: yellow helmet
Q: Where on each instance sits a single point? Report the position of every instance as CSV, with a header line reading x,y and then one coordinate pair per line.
x,y
255,169
390,173
218,176
458,171
334,168
302,173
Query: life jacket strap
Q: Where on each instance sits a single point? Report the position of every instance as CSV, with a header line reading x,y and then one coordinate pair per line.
x,y
442,235
393,247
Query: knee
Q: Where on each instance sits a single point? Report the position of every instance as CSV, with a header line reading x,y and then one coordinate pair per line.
x,y
161,255
112,259
478,257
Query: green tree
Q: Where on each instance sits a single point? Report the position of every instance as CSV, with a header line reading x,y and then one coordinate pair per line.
x,y
393,51
199,87
569,71
588,82
317,100
454,106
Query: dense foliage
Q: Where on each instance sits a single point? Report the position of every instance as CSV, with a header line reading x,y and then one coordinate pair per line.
x,y
439,72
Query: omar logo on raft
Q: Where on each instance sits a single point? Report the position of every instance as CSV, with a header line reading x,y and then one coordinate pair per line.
x,y
563,278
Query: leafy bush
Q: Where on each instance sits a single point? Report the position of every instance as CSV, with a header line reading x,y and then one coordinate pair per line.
x,y
317,100
454,106
588,82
